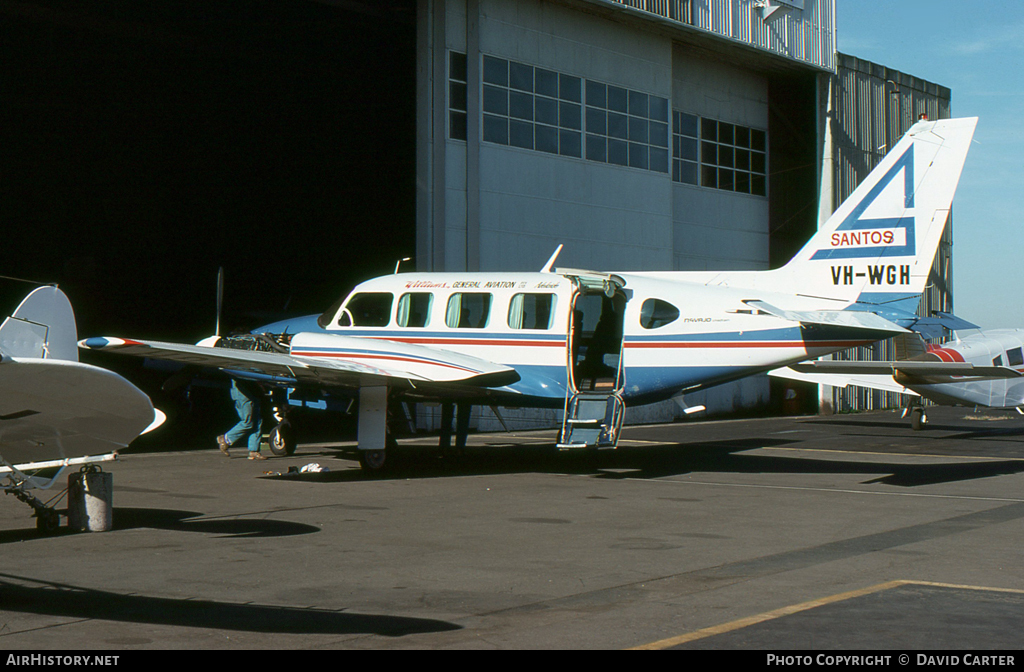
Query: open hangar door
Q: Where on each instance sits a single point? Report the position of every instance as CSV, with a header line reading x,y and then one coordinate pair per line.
x,y
146,144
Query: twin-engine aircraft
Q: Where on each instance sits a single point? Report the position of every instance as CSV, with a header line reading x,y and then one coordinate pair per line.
x,y
594,343
57,412
982,369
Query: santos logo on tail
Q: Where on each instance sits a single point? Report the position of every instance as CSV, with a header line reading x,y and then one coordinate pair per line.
x,y
859,236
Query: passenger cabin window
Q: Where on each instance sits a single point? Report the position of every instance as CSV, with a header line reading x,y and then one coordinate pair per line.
x,y
468,310
1014,357
656,313
368,309
414,309
531,311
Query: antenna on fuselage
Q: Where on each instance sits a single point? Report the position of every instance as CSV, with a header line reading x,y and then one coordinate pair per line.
x,y
551,261
220,296
400,263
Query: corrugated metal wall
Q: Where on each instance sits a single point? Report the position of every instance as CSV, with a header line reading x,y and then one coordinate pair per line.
x,y
872,106
806,35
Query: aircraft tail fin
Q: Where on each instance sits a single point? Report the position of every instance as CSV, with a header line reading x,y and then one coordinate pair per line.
x,y
878,246
42,327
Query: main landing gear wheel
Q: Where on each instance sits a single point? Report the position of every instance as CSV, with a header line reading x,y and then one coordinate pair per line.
x,y
379,461
282,439
918,419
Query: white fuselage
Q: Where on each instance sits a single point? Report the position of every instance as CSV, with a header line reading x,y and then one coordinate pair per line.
x,y
997,347
675,334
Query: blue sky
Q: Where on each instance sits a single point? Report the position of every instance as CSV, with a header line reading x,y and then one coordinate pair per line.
x,y
977,50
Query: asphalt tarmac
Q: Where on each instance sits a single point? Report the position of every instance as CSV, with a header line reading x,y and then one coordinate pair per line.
x,y
847,532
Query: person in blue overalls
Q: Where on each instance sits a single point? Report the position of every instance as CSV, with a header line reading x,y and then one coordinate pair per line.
x,y
248,398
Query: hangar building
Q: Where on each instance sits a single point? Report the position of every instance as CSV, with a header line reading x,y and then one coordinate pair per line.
x,y
643,135
307,145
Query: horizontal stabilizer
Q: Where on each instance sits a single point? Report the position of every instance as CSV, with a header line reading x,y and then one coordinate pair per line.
x,y
884,382
833,318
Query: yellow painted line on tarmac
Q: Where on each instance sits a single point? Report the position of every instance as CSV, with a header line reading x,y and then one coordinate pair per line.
x,y
803,606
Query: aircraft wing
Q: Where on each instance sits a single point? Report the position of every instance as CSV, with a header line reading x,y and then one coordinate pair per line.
x,y
327,360
56,409
954,371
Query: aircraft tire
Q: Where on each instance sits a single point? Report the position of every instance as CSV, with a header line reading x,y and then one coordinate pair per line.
x,y
373,461
379,461
282,440
917,419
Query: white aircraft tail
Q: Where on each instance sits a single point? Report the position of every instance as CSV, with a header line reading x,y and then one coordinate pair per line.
x,y
43,327
879,244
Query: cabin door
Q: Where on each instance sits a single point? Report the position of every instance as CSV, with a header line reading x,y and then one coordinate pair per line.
x,y
593,401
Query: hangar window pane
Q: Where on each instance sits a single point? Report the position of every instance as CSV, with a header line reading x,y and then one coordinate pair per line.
x,y
547,139
495,71
656,313
468,310
546,111
597,121
520,76
742,136
618,126
742,159
659,134
742,184
495,100
637,155
638,104
758,185
618,153
596,148
570,116
520,105
659,159
659,109
757,140
686,124
547,83
709,129
617,99
457,66
414,309
569,88
496,129
368,309
456,95
531,311
569,143
520,134
597,94
708,176
638,130
457,125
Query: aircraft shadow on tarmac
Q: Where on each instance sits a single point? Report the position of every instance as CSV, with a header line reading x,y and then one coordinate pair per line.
x,y
26,595
656,461
181,521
